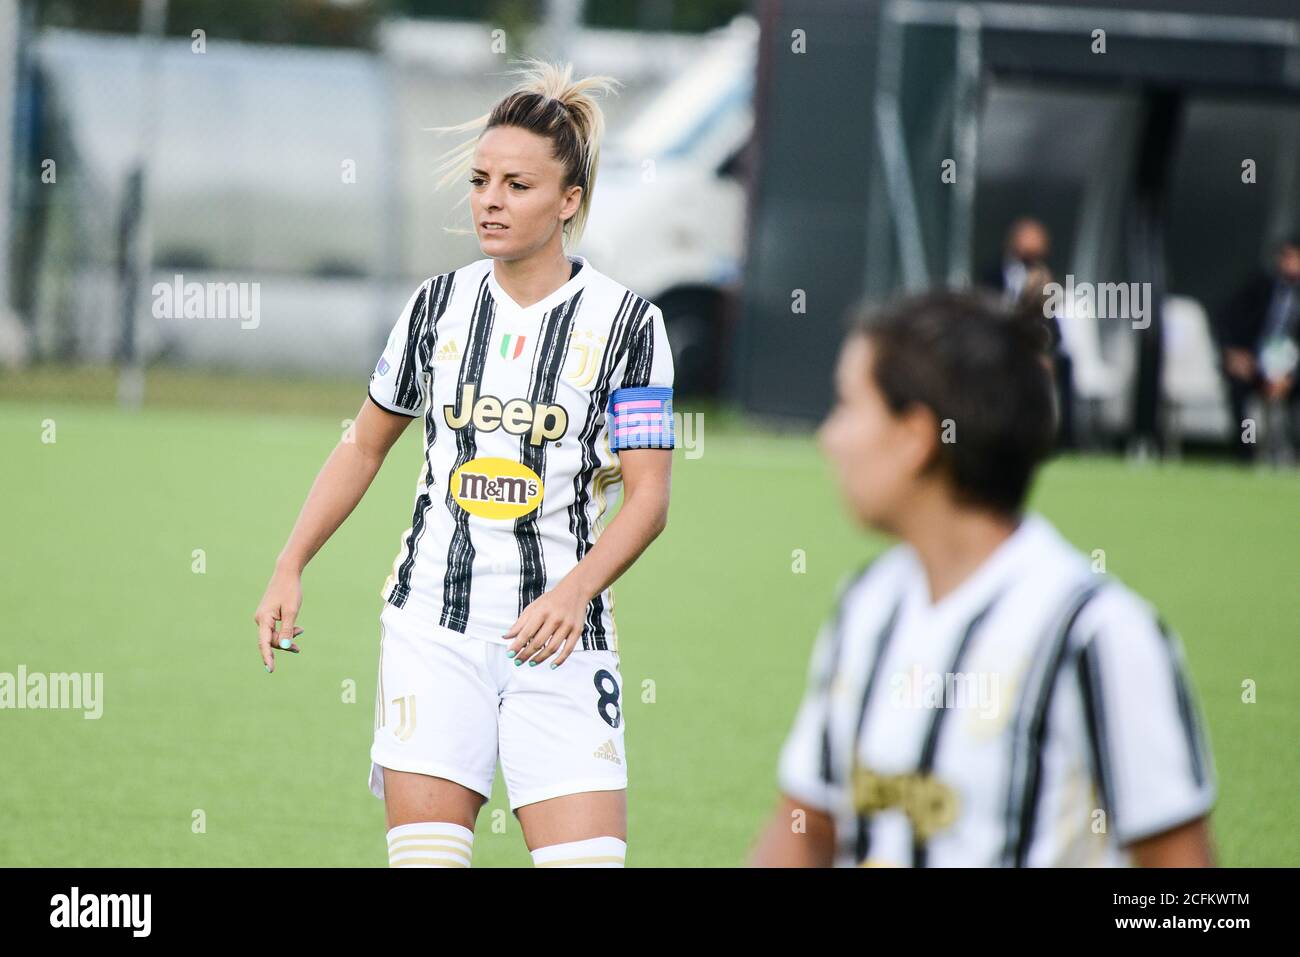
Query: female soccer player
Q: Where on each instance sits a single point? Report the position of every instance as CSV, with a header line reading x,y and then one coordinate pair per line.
x,y
544,386
980,696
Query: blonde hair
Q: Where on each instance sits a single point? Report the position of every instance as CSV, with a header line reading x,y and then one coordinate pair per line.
x,y
549,102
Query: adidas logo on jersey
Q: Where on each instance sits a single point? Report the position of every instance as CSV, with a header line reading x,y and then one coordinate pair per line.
x,y
608,752
448,351
542,421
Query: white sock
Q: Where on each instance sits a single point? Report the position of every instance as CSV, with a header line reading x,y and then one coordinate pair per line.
x,y
432,844
595,852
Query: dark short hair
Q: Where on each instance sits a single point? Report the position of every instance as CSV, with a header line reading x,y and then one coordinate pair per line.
x,y
986,368
1289,242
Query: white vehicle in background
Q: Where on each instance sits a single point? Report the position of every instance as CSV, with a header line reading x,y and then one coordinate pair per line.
x,y
668,213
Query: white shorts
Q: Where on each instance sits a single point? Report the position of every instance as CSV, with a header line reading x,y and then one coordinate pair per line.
x,y
448,706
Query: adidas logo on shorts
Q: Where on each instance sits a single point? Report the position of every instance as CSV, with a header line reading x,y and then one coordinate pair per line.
x,y
608,752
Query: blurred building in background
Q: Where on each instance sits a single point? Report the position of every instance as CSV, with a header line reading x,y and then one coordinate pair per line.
x,y
767,165
1131,151
309,171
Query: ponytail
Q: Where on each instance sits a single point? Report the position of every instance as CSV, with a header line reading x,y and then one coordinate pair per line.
x,y
549,102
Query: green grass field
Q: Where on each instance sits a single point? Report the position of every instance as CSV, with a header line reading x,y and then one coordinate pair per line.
x,y
99,530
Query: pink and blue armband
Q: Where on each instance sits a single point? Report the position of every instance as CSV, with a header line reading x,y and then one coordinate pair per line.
x,y
641,417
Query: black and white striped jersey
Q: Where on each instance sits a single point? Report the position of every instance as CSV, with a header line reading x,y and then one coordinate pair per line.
x,y
525,410
1039,715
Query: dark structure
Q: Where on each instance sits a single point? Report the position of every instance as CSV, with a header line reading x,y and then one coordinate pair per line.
x,y
1132,156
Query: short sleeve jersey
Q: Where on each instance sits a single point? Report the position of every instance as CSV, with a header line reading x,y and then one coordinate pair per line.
x,y
526,410
1039,715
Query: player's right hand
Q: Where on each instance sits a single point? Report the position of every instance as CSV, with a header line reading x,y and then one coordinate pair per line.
x,y
281,603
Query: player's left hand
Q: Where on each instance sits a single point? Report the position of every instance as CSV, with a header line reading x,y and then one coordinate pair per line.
x,y
551,625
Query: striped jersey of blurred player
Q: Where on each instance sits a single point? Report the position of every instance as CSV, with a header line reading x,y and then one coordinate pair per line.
x,y
980,697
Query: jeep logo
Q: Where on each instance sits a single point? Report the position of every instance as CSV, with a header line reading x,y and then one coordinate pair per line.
x,y
542,422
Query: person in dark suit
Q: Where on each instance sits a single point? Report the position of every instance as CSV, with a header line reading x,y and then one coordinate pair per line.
x,y
1259,334
1024,260
1020,278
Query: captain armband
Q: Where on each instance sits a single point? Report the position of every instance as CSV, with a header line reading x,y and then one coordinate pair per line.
x,y
641,417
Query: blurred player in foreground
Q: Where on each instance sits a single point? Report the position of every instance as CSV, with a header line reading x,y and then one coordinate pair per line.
x,y
980,697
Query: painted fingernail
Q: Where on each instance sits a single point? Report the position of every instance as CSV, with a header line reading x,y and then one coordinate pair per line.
x,y
510,654
518,662
553,666
268,669
286,643
532,664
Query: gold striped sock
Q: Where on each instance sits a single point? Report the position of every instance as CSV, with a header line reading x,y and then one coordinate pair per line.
x,y
594,852
430,844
